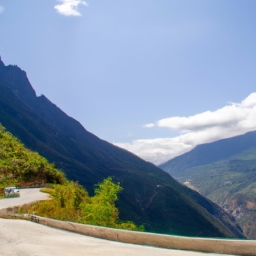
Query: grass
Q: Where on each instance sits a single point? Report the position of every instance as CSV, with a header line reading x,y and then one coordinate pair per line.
x,y
13,195
49,191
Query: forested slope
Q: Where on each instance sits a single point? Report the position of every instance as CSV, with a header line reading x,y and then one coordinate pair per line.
x,y
225,172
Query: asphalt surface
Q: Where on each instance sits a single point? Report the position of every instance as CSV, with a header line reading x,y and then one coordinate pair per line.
x,y
26,196
25,238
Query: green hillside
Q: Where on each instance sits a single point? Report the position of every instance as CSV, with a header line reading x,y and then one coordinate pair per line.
x,y
150,196
230,182
209,153
22,167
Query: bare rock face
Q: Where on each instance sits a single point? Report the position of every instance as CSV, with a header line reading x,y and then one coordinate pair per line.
x,y
242,208
16,79
1,63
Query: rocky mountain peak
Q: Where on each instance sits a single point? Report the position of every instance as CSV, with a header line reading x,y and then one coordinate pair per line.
x,y
16,79
1,63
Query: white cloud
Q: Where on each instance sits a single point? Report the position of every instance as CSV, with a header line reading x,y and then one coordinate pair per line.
x,y
231,120
69,7
1,9
149,125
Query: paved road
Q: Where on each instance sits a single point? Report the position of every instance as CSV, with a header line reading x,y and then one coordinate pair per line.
x,y
26,196
20,237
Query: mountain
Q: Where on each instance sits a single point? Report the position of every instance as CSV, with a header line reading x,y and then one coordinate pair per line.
x,y
22,167
150,197
225,172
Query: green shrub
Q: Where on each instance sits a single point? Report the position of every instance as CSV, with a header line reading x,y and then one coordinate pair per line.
x,y
19,165
71,202
12,195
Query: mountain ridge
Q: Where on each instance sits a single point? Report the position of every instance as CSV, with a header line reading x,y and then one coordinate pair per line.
x,y
212,152
228,178
151,197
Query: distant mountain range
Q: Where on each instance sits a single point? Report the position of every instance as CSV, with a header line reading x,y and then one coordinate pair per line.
x,y
225,172
150,197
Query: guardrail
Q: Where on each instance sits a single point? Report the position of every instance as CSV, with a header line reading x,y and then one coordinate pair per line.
x,y
223,246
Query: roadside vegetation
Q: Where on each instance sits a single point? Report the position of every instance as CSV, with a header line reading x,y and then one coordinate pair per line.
x,y
22,167
13,195
71,202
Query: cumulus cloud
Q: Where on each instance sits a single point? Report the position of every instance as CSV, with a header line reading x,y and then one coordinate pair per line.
x,y
231,120
69,7
1,9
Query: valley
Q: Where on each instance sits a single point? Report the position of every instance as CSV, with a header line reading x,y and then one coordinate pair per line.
x,y
128,128
150,196
230,182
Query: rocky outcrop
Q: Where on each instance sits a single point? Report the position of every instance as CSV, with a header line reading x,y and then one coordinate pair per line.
x,y
242,208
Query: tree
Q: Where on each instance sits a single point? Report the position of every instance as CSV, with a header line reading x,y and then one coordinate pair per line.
x,y
101,209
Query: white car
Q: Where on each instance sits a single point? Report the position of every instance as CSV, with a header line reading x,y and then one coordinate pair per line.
x,y
11,190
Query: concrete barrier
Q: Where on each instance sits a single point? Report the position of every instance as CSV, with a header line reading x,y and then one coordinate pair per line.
x,y
223,246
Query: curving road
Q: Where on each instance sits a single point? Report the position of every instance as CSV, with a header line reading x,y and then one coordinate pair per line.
x,y
26,196
21,237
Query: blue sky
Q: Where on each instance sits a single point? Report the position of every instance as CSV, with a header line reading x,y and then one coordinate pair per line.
x,y
155,77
